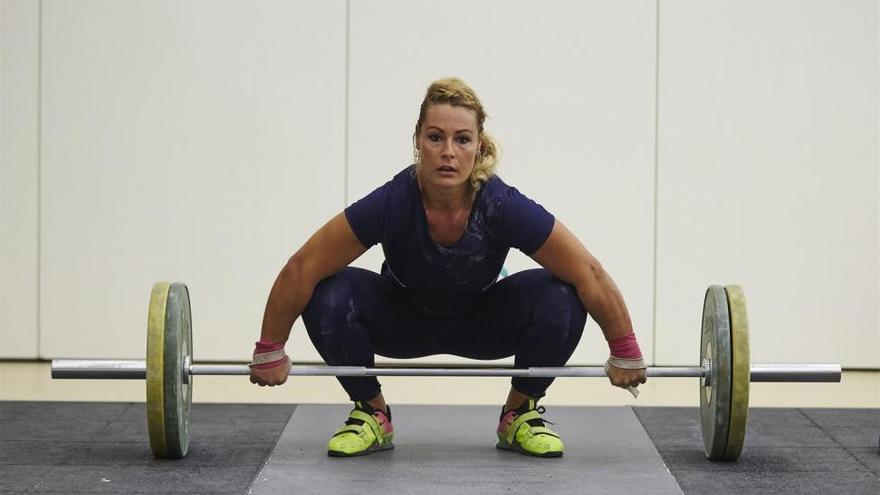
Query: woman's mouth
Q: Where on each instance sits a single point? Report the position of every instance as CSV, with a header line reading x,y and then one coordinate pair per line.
x,y
446,170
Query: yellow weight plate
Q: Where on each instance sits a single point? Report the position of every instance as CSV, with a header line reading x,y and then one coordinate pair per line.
x,y
155,369
740,371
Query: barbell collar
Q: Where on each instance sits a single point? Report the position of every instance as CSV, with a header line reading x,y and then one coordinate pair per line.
x,y
132,369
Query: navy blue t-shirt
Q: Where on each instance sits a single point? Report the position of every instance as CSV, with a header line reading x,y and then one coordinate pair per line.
x,y
500,219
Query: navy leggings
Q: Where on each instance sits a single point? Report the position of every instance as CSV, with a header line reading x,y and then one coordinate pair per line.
x,y
356,314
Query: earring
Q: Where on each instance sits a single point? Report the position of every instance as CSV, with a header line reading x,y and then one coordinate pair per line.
x,y
417,156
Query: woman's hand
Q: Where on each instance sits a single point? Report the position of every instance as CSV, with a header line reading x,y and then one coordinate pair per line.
x,y
271,376
625,378
270,364
329,250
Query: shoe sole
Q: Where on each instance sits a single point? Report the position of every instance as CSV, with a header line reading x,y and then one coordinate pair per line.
x,y
373,448
518,448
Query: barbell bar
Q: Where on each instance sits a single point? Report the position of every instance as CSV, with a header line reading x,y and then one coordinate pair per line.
x,y
137,370
724,372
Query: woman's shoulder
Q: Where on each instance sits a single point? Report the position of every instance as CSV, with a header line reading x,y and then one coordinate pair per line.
x,y
405,180
492,198
517,219
496,191
499,197
401,190
402,183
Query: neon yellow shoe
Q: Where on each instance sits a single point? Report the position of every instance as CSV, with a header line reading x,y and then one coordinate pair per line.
x,y
523,430
365,431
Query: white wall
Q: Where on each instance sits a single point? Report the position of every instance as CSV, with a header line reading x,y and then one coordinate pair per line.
x,y
19,159
205,141
768,174
571,102
195,141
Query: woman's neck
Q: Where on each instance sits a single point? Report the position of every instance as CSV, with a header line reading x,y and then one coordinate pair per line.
x,y
447,199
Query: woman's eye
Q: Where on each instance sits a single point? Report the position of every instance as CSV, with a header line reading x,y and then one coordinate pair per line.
x,y
435,137
464,140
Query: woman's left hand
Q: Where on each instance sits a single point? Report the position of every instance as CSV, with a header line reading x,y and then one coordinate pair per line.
x,y
625,378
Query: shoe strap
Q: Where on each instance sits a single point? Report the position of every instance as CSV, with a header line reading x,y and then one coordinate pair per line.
x,y
355,429
528,417
532,420
542,430
365,407
360,417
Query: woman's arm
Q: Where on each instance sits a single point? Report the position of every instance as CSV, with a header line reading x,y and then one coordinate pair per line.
x,y
566,258
329,250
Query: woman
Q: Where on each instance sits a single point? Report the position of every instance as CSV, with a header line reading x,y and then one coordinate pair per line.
x,y
446,224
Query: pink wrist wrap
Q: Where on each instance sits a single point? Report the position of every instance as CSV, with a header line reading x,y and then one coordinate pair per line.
x,y
625,347
268,354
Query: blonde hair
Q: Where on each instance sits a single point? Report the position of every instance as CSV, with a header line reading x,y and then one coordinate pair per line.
x,y
454,91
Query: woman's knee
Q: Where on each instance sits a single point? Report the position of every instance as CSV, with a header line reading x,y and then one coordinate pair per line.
x,y
558,311
332,321
332,304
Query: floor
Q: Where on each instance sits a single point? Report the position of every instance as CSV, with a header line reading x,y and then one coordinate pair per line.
x,y
87,447
450,449
81,447
803,451
90,437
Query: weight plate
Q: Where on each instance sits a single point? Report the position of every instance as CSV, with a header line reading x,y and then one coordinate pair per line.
x,y
715,386
169,350
178,389
740,371
156,370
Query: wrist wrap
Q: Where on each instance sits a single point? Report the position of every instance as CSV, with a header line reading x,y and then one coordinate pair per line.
x,y
625,347
268,354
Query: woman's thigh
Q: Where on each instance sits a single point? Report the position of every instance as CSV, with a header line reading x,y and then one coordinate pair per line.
x,y
367,309
518,313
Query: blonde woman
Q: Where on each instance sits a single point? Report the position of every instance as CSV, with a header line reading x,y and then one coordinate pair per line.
x,y
446,224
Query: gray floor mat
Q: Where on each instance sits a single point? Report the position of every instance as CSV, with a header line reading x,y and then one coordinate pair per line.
x,y
82,447
450,450
802,451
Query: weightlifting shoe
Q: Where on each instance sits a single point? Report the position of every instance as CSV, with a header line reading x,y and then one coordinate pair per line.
x,y
366,430
523,430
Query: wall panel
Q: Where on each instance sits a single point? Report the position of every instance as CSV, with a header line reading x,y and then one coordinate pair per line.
x,y
569,88
198,141
768,175
19,165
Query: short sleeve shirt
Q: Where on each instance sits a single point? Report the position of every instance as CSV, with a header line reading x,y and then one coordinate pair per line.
x,y
501,218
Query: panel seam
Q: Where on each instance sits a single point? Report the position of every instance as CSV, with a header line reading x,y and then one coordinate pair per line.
x,y
347,96
39,218
656,179
833,439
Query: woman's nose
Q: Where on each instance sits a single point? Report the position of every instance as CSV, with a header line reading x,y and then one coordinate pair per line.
x,y
448,148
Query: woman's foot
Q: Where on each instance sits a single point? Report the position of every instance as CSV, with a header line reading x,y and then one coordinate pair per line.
x,y
523,430
365,431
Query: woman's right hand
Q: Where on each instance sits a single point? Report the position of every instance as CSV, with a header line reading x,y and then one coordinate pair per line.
x,y
329,250
270,364
276,375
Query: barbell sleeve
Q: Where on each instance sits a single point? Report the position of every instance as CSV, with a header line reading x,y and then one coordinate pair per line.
x,y
795,372
132,369
99,369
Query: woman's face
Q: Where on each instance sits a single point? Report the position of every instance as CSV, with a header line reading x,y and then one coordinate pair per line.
x,y
448,142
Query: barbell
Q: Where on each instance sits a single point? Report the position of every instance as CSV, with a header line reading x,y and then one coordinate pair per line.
x,y
724,372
